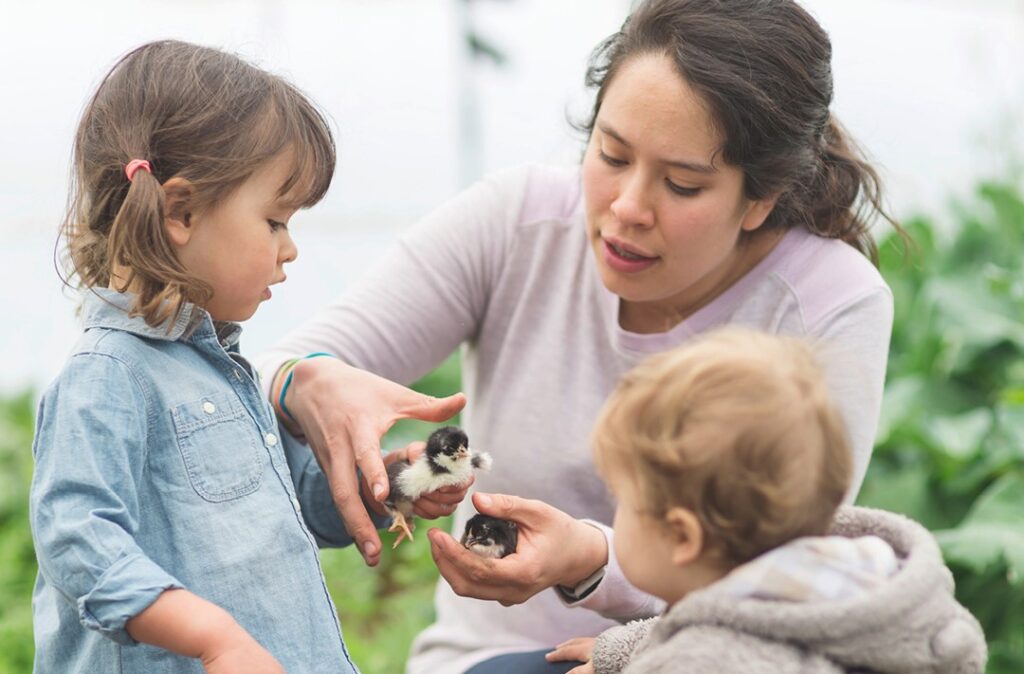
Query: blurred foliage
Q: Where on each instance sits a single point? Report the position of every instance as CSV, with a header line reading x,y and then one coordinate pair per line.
x,y
17,558
950,449
382,609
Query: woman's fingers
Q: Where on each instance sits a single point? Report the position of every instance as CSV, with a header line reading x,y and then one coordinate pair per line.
x,y
345,491
427,408
510,580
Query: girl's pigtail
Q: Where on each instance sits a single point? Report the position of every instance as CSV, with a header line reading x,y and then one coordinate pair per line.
x,y
138,247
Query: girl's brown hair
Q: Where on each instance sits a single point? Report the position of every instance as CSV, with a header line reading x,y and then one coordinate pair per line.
x,y
738,428
195,113
764,69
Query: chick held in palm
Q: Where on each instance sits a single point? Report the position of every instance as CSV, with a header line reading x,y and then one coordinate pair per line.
x,y
447,462
490,537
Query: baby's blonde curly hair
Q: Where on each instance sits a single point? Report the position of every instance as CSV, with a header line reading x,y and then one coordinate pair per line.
x,y
737,427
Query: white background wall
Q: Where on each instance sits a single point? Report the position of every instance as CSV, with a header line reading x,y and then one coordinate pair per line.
x,y
933,89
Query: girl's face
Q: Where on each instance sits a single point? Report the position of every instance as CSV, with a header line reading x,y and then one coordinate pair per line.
x,y
664,212
240,245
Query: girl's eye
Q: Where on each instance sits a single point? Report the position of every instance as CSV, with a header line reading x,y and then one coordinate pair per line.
x,y
276,225
682,191
611,161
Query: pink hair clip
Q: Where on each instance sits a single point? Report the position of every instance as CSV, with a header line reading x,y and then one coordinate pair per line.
x,y
134,165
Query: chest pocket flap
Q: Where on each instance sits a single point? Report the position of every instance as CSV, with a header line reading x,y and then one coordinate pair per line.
x,y
219,444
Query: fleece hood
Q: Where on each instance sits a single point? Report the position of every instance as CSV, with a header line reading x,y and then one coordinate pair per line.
x,y
910,623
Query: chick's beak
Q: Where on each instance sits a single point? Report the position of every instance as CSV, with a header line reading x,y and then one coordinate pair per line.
x,y
463,452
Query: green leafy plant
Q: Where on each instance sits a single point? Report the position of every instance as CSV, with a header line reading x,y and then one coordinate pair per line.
x,y
950,448
17,557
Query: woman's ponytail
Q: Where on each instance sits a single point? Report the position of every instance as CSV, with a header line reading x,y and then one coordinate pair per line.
x,y
845,194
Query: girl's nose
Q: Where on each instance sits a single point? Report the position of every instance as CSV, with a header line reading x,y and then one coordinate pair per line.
x,y
288,251
633,204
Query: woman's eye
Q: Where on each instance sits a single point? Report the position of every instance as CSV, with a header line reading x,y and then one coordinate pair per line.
x,y
276,225
611,161
682,191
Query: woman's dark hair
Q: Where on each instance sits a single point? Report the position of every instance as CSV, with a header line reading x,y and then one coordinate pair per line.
x,y
191,112
764,69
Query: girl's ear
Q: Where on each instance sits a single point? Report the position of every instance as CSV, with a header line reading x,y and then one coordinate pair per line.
x,y
757,213
687,536
177,210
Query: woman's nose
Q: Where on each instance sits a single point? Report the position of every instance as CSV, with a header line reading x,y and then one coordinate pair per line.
x,y
633,204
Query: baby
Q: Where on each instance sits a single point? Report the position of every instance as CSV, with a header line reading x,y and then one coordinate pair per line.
x,y
729,464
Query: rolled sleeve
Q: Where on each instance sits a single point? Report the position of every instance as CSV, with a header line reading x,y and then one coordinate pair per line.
x,y
90,450
125,590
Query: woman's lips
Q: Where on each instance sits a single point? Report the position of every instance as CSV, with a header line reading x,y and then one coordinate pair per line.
x,y
625,259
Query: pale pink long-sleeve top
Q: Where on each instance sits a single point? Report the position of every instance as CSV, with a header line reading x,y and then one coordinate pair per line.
x,y
505,271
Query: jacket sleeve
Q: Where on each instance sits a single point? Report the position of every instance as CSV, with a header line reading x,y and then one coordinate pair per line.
x,y
615,646
90,451
318,509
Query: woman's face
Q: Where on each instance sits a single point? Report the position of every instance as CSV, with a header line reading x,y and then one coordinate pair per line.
x,y
664,212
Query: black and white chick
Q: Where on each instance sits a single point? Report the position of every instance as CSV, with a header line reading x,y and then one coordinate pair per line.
x,y
490,537
447,461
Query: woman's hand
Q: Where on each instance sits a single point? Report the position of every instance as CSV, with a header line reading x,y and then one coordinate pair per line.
x,y
553,549
343,412
429,506
580,649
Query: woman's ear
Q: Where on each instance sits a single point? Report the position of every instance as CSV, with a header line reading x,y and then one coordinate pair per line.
x,y
177,210
687,535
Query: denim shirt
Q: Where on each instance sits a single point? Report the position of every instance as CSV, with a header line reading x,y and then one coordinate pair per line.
x,y
158,465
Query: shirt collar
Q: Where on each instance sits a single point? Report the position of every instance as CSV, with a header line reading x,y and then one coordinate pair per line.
x,y
106,308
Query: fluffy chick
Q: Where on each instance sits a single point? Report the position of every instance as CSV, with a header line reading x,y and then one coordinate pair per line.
x,y
490,537
448,461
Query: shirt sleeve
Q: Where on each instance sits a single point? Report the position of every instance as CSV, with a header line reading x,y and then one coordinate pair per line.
x,y
314,493
90,451
852,345
425,298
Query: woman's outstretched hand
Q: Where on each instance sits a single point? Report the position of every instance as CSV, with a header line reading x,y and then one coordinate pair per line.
x,y
553,549
343,412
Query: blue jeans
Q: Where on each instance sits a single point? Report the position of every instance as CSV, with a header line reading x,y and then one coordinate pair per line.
x,y
522,663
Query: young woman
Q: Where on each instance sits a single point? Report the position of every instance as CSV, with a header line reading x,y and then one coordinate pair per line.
x,y
716,188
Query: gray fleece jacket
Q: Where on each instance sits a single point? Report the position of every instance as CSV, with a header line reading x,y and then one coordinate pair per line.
x,y
911,624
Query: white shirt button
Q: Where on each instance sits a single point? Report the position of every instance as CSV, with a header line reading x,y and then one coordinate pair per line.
x,y
271,439
209,407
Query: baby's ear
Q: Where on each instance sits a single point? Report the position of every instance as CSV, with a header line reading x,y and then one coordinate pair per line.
x,y
178,193
687,535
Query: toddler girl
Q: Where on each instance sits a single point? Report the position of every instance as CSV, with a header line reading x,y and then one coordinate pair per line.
x,y
175,528
729,464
